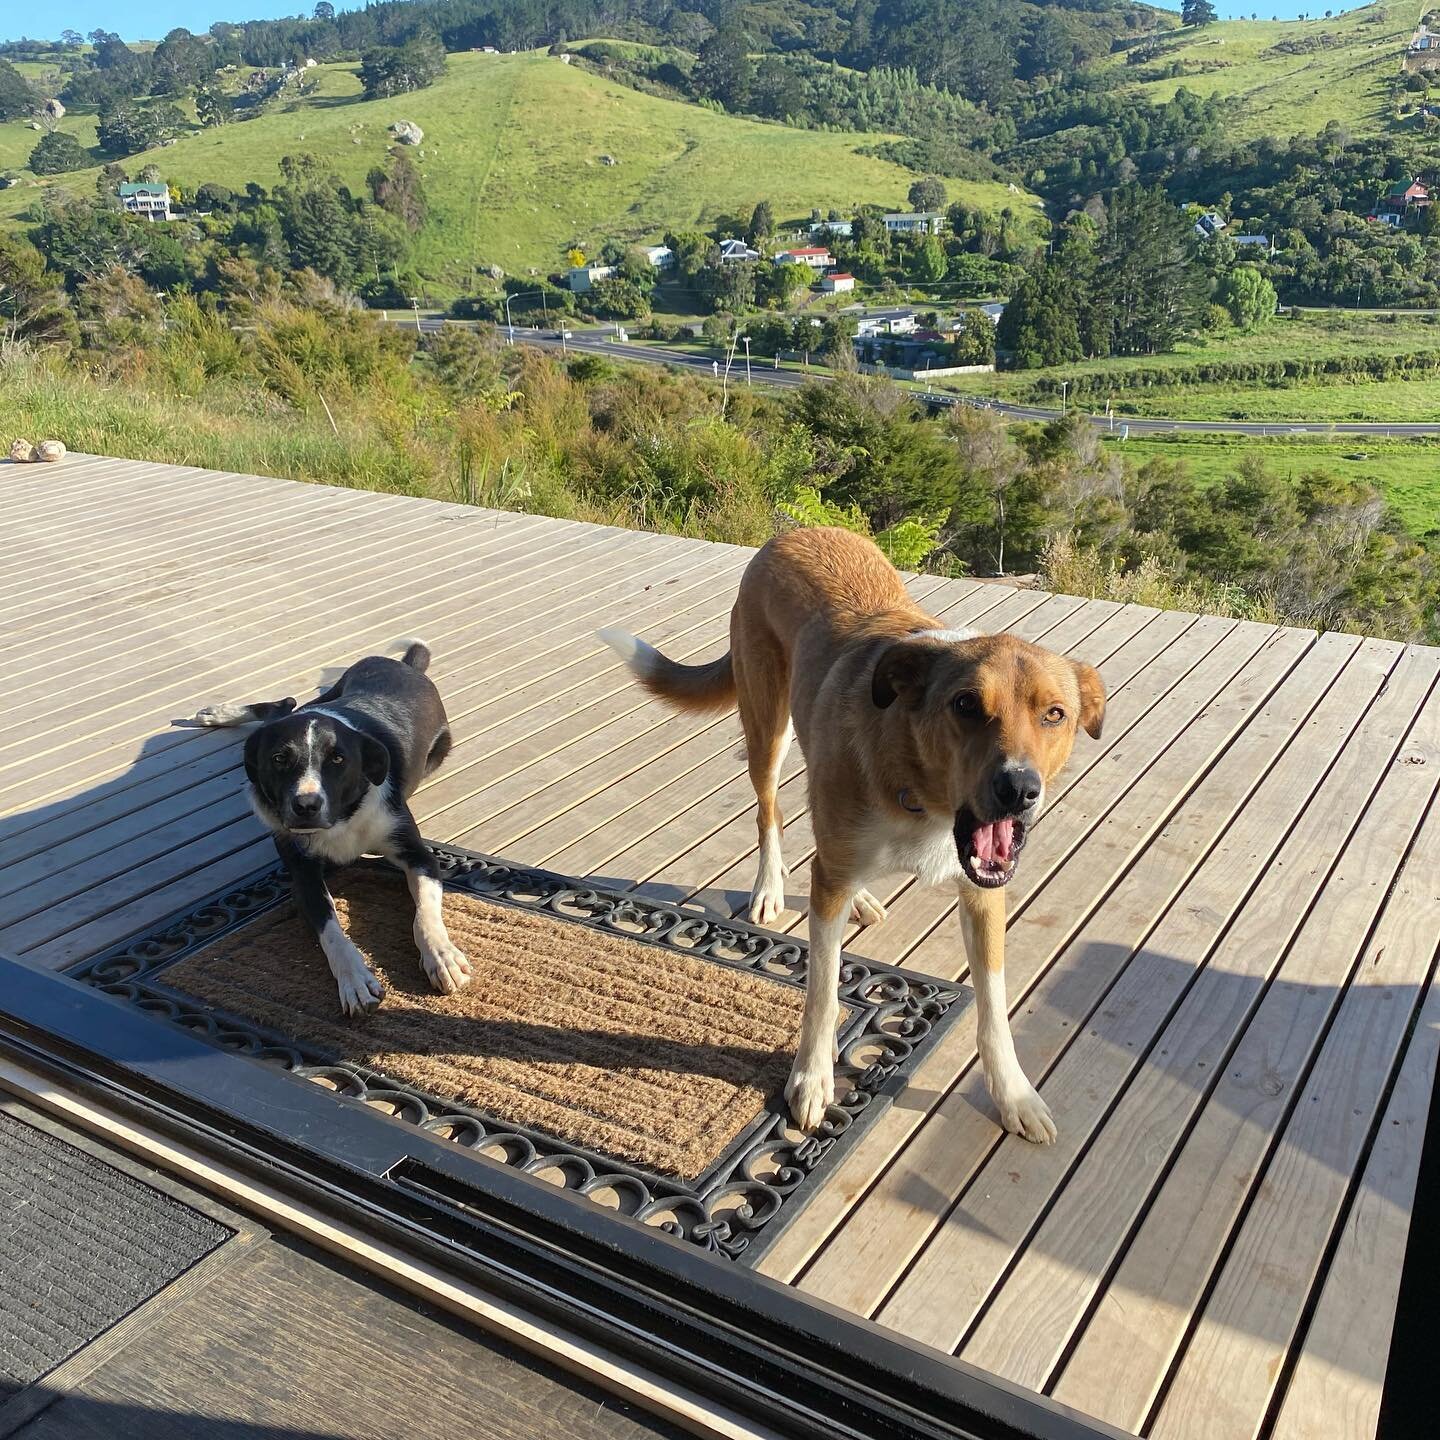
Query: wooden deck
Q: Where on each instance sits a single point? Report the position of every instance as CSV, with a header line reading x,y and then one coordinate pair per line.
x,y
1221,954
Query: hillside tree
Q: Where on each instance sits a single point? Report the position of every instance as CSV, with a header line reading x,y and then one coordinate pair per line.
x,y
1198,12
723,71
33,303
1038,325
762,224
213,106
400,190
57,153
17,99
1248,296
928,195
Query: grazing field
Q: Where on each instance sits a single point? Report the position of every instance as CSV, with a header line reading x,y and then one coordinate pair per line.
x,y
1291,76
1164,384
1407,471
513,167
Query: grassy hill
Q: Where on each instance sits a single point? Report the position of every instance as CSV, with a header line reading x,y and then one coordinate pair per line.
x,y
1291,76
512,161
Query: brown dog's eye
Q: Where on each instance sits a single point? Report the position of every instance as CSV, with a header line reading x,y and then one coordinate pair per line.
x,y
966,705
1053,716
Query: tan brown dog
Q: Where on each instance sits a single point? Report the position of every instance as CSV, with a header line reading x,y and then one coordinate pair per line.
x,y
928,751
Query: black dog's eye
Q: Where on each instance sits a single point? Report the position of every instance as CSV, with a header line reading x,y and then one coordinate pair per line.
x,y
966,705
282,760
1053,716
336,759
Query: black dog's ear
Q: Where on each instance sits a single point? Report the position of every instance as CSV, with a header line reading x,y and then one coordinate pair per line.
x,y
252,757
903,672
374,760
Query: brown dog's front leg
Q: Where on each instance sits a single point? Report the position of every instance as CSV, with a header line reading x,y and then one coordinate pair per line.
x,y
812,1080
982,921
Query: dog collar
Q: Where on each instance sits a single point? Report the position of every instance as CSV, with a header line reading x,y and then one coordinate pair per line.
x,y
906,801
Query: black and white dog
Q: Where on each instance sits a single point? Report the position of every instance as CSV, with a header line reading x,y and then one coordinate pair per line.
x,y
331,780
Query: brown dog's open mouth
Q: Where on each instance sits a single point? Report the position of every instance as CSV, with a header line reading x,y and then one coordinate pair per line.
x,y
989,850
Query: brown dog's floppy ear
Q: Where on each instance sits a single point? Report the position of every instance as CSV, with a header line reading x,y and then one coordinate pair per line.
x,y
902,672
1092,699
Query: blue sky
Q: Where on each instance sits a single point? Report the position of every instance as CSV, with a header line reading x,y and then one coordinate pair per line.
x,y
150,19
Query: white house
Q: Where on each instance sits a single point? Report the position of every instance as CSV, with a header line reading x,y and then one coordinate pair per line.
x,y
1208,224
840,229
1253,242
584,277
993,308
737,250
921,222
662,257
817,257
150,201
837,282
885,322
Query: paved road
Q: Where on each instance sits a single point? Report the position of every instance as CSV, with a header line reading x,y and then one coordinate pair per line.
x,y
763,373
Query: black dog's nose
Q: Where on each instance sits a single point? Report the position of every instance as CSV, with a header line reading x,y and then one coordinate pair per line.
x,y
1016,788
307,804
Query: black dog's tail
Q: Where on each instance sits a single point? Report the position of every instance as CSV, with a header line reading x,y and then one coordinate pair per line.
x,y
417,656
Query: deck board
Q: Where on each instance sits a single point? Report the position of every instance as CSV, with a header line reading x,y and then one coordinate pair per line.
x,y
1222,942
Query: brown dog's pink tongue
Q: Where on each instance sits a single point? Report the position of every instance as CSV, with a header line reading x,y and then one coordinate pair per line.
x,y
995,842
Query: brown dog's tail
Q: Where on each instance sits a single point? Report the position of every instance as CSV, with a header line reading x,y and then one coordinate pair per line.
x,y
692,687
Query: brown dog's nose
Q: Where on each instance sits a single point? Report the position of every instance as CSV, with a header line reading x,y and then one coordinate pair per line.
x,y
1015,788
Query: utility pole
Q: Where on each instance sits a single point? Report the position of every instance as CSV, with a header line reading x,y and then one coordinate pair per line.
x,y
415,306
1064,391
747,362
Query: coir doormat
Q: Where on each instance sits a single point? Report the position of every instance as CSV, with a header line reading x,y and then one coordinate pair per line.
x,y
608,1043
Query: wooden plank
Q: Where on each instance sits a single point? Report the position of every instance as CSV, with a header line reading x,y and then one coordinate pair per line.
x,y
384,609
214,1365
1143,1317
1137,1055
1230,685
152,627
1337,1384
1227,1374
213,657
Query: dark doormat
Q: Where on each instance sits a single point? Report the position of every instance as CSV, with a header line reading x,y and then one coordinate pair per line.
x,y
609,1044
81,1245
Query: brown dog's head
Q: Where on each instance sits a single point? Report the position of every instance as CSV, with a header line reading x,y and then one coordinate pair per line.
x,y
989,721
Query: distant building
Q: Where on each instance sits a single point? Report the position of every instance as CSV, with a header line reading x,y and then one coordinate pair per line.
x,y
1253,242
921,222
817,257
737,250
150,201
1208,224
837,229
662,257
1412,196
837,283
993,308
585,277
885,322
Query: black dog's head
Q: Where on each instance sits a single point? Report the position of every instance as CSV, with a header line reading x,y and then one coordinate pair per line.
x,y
310,771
